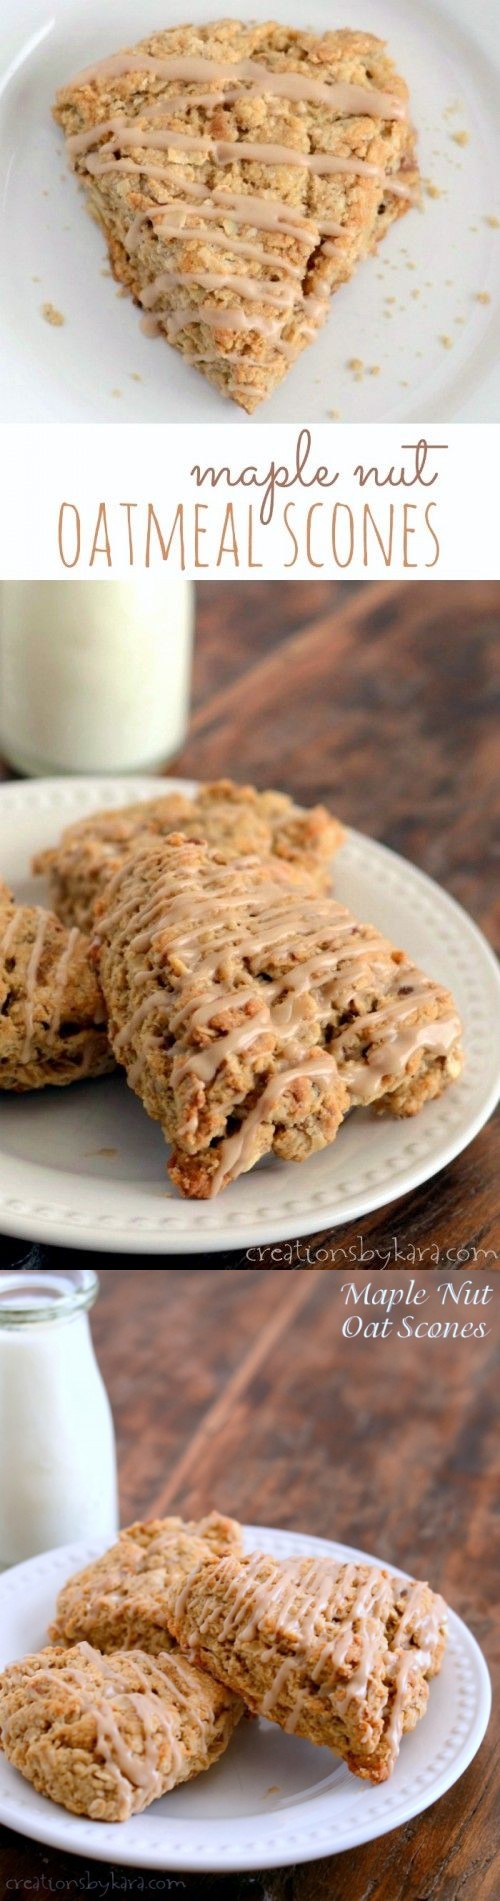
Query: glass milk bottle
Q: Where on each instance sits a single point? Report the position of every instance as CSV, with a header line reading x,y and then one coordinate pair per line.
x,y
57,1450
94,675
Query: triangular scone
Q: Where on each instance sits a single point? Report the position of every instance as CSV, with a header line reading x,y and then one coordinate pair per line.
x,y
105,1736
340,1654
116,1602
251,1012
235,817
230,1063
239,174
52,1016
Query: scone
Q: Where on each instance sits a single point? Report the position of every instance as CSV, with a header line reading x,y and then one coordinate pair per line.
x,y
340,1654
250,1012
239,173
105,1736
116,1603
234,816
52,1016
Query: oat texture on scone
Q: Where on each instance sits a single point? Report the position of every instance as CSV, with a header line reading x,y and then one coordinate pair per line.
x,y
52,1015
340,1654
106,1735
239,173
250,1012
234,816
116,1603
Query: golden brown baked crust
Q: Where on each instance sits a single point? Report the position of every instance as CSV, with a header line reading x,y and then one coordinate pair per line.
x,y
105,1736
52,1016
235,816
116,1603
339,1653
240,293
250,1012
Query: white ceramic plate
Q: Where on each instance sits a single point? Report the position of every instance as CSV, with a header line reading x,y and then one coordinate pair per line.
x,y
51,252
273,1799
86,1167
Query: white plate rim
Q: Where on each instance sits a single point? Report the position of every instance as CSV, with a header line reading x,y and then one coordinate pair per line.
x,y
54,1226
104,1841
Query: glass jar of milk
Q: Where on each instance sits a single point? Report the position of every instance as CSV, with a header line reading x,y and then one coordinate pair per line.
x,y
57,1449
94,675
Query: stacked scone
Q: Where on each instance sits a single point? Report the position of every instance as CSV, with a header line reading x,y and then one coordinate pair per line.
x,y
249,1010
52,1012
239,173
52,1009
160,1645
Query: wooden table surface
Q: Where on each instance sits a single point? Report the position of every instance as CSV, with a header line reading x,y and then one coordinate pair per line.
x,y
237,1390
382,700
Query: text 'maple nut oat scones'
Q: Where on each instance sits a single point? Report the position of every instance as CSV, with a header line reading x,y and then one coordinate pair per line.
x,y
117,1602
234,816
239,172
250,1013
52,1015
340,1654
106,1735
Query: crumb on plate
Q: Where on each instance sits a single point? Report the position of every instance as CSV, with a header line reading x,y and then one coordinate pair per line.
x,y
51,314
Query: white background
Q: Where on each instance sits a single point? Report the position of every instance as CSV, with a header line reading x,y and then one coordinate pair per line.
x,y
142,465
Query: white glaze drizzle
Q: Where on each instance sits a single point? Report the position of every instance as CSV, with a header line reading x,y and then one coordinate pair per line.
x,y
131,1769
60,979
266,214
32,972
56,997
191,234
342,1608
220,317
324,1609
237,1152
124,134
343,98
250,288
31,982
10,933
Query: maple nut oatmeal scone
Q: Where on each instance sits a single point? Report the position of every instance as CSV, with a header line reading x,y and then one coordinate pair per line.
x,y
239,173
234,816
116,1603
52,1014
250,1012
340,1654
106,1735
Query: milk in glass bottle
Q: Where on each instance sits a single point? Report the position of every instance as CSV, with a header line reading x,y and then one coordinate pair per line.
x,y
94,675
57,1451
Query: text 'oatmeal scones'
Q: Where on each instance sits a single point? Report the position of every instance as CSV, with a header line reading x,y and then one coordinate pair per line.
x,y
239,173
52,1016
235,816
251,1012
116,1603
105,1736
338,1653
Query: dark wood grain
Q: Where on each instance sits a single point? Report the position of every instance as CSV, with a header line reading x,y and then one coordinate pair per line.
x,y
382,699
237,1389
